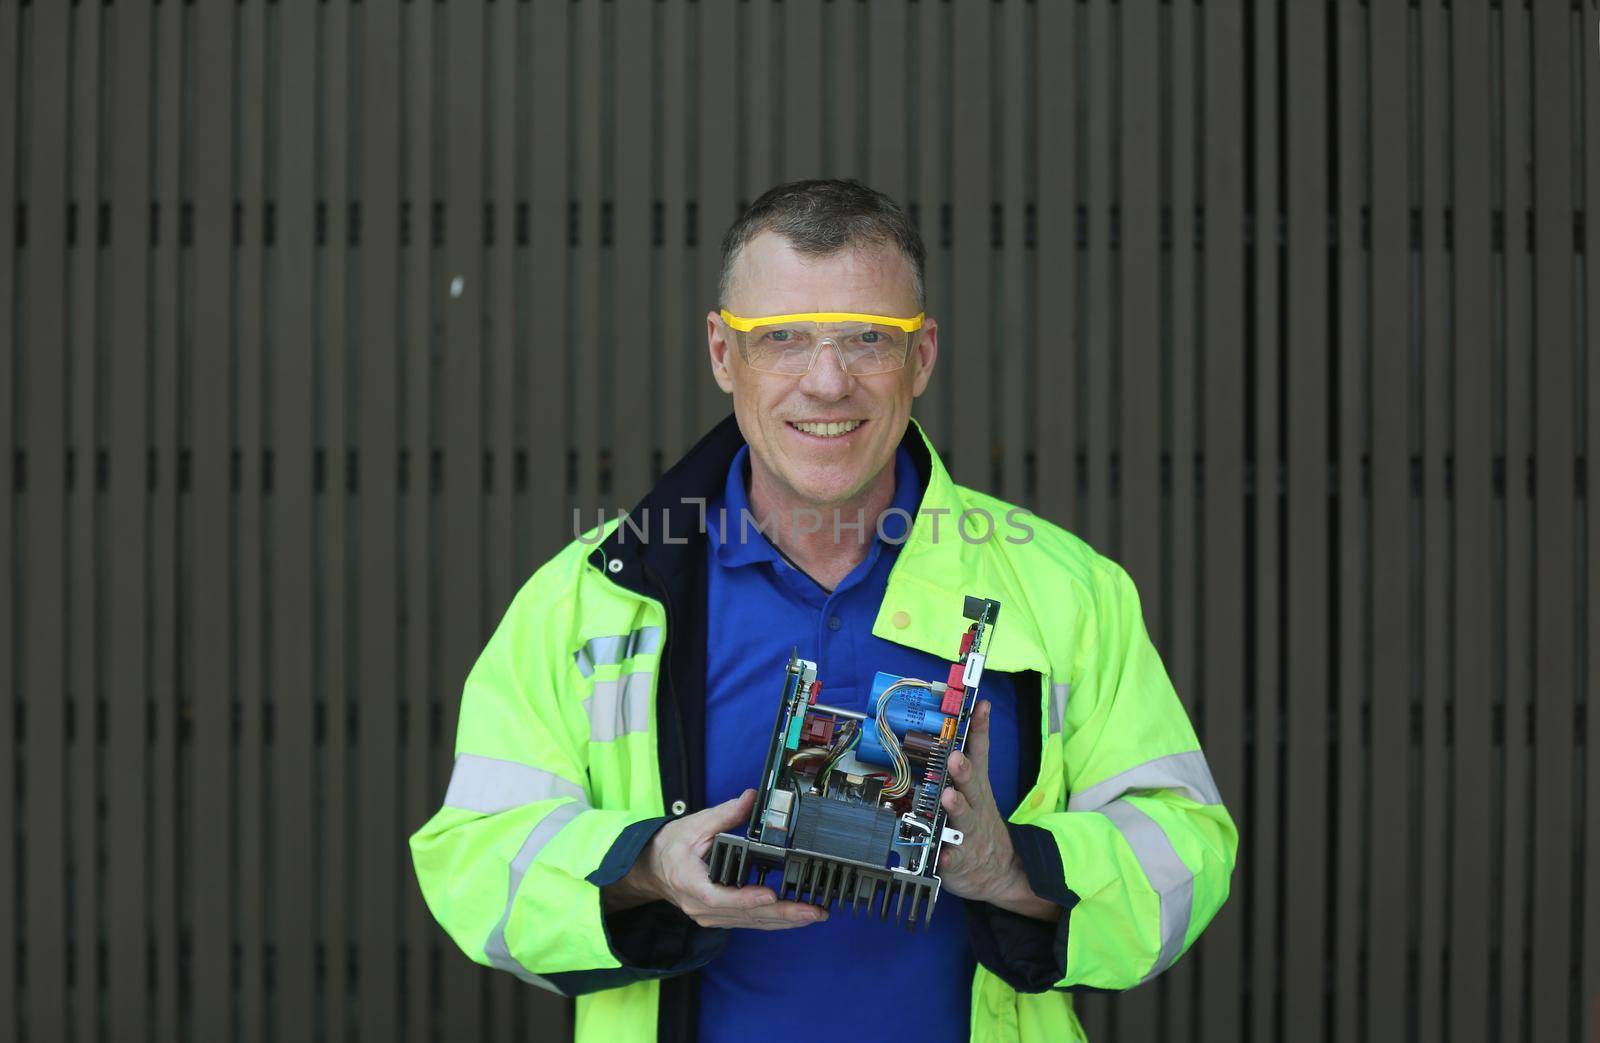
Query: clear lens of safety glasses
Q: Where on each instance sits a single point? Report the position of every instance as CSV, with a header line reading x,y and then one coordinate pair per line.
x,y
789,344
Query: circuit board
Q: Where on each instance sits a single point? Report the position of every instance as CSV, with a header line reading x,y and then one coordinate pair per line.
x,y
847,809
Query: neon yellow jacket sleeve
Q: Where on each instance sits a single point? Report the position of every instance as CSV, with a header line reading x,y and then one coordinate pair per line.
x,y
512,865
1141,855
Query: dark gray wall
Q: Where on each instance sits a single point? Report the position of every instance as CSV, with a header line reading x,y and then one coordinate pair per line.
x,y
1285,305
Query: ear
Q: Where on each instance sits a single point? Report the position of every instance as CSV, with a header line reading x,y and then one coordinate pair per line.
x,y
923,356
718,347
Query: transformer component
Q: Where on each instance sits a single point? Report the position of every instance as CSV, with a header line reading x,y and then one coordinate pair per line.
x,y
860,832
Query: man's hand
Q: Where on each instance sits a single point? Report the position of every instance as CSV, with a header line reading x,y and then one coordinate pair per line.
x,y
672,867
985,867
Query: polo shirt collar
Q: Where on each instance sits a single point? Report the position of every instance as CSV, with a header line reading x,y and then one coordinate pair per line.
x,y
737,542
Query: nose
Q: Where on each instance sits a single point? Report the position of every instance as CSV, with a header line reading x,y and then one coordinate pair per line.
x,y
827,378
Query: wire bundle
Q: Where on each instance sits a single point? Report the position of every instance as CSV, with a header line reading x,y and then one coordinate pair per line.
x,y
843,742
891,743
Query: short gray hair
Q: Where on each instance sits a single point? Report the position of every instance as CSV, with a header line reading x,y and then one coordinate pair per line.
x,y
822,217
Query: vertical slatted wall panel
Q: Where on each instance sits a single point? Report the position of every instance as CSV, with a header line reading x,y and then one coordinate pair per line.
x,y
42,651
420,293
80,418
315,334
206,400
294,160
248,854
129,654
1588,529
162,228
1394,669
1516,689
1351,310
1553,355
379,698
1471,789
678,318
11,443
1428,790
1055,318
930,147
1304,510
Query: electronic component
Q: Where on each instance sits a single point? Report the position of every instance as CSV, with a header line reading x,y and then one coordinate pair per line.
x,y
910,709
826,818
859,831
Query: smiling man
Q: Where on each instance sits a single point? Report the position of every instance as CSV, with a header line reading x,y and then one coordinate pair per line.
x,y
613,723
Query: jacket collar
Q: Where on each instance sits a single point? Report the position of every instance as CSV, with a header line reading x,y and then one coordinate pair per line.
x,y
936,569
672,508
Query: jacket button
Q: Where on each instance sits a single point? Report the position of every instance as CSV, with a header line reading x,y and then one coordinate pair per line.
x,y
614,565
901,620
679,807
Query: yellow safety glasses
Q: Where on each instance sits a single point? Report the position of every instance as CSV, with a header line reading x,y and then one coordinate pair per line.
x,y
788,344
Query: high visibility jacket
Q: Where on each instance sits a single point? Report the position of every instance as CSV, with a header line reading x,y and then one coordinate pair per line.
x,y
581,733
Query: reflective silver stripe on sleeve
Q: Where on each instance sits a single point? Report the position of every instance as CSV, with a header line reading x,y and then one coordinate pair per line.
x,y
619,706
495,948
609,651
1171,879
488,785
1187,773
1058,706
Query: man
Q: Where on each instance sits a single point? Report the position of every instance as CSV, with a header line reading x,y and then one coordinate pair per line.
x,y
635,679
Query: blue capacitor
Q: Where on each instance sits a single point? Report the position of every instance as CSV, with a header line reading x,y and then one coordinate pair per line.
x,y
910,710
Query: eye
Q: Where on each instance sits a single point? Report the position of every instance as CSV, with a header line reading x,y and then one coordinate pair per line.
x,y
870,337
780,336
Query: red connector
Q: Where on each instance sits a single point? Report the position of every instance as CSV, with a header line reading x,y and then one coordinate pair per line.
x,y
954,693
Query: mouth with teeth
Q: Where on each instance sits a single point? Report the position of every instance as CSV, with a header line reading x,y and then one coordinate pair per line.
x,y
826,429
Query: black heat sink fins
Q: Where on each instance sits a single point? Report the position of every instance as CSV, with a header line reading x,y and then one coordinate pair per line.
x,y
805,876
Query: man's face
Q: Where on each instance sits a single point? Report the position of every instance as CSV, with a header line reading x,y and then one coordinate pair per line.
x,y
820,470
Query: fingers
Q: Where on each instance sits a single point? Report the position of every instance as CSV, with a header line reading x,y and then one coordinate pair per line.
x,y
977,746
969,767
752,897
702,826
968,776
679,863
780,916
956,803
751,907
755,901
725,816
789,914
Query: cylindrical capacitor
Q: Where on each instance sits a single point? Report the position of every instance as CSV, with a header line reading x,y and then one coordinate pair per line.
x,y
910,709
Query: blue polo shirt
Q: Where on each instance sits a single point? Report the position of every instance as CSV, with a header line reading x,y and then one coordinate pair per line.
x,y
851,972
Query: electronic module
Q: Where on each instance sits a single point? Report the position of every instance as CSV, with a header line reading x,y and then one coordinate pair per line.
x,y
847,811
